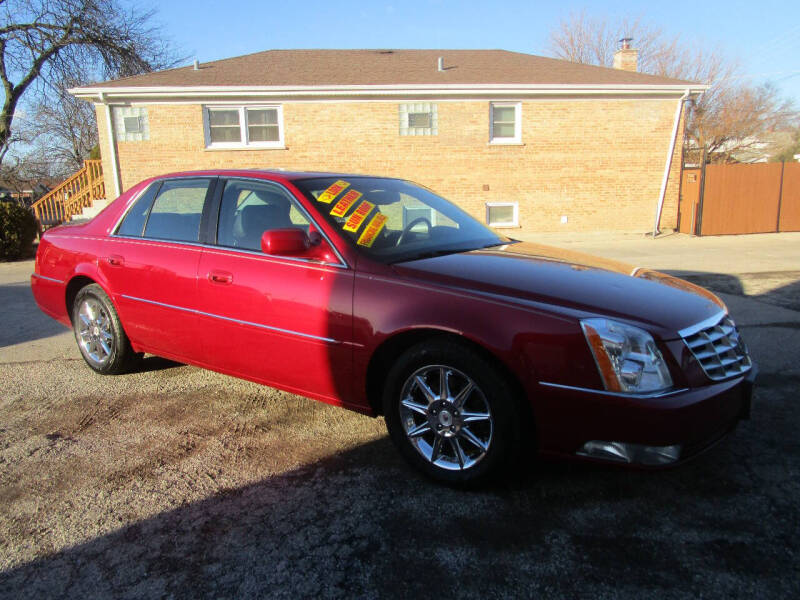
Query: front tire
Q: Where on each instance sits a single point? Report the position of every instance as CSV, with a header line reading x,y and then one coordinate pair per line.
x,y
451,413
98,331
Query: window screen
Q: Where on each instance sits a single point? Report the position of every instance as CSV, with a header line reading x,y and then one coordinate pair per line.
x,y
223,125
503,121
262,125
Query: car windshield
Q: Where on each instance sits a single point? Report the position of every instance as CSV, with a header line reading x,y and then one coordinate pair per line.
x,y
392,220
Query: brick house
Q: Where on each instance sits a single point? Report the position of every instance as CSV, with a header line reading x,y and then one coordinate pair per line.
x,y
520,141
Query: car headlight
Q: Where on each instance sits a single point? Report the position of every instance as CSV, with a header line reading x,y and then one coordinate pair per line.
x,y
626,357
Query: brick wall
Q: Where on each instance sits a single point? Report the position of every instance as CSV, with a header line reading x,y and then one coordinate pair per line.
x,y
598,162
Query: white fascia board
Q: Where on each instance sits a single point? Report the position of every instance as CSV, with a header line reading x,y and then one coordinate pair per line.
x,y
354,91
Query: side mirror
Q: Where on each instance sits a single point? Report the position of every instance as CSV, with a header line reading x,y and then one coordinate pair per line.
x,y
285,242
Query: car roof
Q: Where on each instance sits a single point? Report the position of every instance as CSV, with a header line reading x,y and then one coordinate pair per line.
x,y
261,173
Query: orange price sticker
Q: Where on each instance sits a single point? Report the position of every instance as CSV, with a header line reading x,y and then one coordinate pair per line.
x,y
333,190
345,202
358,216
372,230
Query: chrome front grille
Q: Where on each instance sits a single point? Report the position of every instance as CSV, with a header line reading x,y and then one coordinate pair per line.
x,y
719,349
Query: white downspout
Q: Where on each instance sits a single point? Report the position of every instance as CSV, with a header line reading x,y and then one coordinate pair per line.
x,y
668,164
112,148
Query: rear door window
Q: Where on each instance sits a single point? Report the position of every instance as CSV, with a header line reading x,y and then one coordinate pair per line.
x,y
177,211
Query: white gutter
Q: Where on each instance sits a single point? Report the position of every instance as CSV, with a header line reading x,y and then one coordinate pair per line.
x,y
668,163
375,90
112,146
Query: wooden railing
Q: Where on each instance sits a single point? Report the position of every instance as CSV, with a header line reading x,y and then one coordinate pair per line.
x,y
71,196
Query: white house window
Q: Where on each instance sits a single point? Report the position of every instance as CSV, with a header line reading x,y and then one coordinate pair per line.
x,y
130,123
244,127
418,118
506,123
502,214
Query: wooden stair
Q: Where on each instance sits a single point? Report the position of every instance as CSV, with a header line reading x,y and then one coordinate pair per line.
x,y
80,191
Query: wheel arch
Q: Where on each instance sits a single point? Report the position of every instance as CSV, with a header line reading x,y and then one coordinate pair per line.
x,y
395,345
75,285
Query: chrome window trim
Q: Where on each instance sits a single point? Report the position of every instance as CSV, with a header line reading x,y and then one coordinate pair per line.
x,y
275,257
342,264
704,324
53,279
646,396
232,320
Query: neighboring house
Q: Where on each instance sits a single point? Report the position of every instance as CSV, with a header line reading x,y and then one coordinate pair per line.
x,y
26,195
518,140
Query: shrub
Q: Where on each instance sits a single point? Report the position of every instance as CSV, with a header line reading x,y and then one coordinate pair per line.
x,y
18,228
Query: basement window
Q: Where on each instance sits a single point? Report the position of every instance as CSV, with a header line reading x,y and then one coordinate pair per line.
x,y
502,214
419,118
243,127
505,123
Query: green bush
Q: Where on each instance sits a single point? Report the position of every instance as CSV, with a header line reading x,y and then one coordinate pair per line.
x,y
18,228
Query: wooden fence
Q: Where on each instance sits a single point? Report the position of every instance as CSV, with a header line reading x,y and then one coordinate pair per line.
x,y
735,199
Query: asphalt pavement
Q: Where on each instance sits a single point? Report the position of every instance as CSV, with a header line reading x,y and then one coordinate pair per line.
x,y
350,519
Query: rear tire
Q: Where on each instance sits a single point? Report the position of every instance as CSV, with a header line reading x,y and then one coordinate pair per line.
x,y
451,413
101,339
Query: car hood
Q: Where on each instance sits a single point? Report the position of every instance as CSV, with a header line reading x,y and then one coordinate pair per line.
x,y
572,282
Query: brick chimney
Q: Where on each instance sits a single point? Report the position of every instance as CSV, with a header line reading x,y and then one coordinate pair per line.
x,y
626,58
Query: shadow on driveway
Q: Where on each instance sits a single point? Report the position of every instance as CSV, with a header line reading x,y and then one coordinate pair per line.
x,y
23,321
361,524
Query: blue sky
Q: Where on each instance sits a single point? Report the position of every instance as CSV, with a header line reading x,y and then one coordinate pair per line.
x,y
764,36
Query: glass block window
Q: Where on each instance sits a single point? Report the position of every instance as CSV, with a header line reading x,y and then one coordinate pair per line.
x,y
130,123
502,214
506,123
243,127
420,118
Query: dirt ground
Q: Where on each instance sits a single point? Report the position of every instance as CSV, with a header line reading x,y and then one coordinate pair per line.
x,y
174,482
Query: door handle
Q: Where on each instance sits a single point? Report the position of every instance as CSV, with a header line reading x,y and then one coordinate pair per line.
x,y
116,260
222,277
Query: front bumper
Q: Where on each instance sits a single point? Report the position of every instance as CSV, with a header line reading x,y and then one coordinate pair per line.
x,y
695,419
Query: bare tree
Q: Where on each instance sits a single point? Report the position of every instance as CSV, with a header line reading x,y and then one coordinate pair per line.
x,y
45,42
66,128
593,40
789,149
726,120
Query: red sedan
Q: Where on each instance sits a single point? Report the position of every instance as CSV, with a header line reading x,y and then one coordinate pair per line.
x,y
378,295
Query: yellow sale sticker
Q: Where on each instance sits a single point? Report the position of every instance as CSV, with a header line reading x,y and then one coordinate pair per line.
x,y
358,216
372,230
345,202
333,190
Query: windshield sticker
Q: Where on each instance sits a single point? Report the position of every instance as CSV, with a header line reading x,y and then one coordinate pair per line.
x,y
333,190
345,202
358,216
372,230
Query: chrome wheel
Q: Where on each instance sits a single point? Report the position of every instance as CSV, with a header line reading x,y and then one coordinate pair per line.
x,y
95,332
446,417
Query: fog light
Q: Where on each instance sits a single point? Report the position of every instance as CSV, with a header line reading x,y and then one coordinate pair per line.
x,y
631,453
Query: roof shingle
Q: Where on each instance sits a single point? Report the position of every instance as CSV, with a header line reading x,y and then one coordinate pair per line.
x,y
281,68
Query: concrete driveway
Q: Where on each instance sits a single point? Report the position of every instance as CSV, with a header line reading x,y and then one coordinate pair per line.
x,y
180,483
